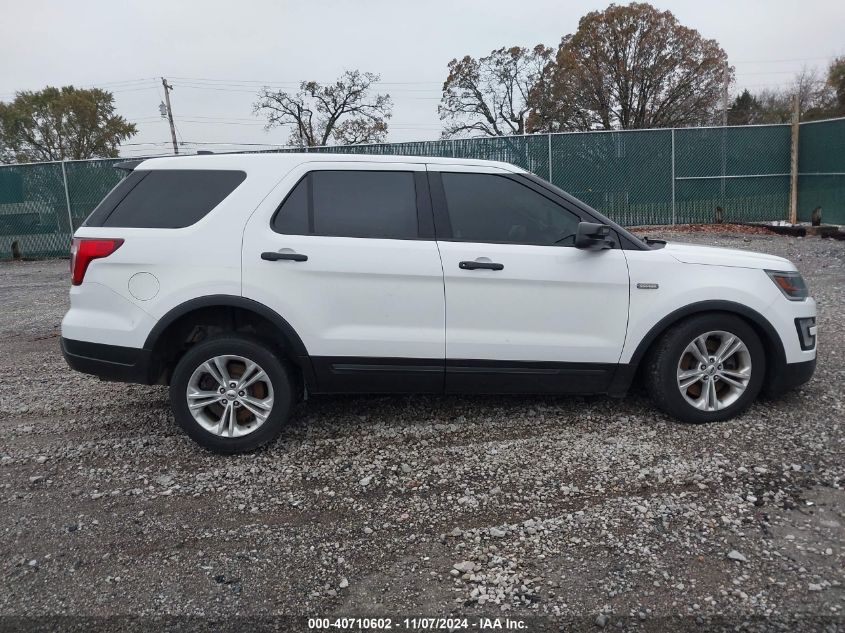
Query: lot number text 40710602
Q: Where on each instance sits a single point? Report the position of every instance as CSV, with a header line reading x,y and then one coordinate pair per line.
x,y
417,624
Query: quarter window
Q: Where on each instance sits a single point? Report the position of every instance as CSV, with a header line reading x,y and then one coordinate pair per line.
x,y
496,209
165,198
371,204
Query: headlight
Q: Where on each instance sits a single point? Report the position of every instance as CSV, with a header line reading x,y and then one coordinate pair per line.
x,y
790,283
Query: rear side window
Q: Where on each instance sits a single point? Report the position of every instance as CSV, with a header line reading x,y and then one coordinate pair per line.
x,y
165,199
371,204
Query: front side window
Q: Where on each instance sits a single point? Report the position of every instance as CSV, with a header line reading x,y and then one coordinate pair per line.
x,y
496,209
370,204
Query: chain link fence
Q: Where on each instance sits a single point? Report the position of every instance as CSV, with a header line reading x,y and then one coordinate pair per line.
x,y
636,177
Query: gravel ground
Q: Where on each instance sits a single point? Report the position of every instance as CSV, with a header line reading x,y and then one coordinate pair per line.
x,y
590,511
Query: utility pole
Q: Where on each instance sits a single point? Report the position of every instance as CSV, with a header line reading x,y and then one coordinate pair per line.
x,y
167,89
793,163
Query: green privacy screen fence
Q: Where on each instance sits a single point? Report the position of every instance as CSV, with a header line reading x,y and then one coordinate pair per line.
x,y
636,177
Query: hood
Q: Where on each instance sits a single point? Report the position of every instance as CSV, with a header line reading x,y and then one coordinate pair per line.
x,y
715,256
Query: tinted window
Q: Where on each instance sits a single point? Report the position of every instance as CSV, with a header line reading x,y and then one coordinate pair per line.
x,y
374,204
292,216
172,199
113,197
490,208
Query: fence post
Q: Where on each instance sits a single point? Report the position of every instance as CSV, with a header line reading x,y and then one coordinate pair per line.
x,y
550,157
67,197
673,176
793,164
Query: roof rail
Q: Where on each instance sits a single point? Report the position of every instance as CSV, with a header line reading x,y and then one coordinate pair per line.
x,y
128,165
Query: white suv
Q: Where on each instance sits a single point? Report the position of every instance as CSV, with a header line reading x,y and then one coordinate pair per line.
x,y
246,282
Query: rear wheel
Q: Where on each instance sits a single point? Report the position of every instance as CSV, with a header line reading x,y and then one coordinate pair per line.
x,y
230,394
707,368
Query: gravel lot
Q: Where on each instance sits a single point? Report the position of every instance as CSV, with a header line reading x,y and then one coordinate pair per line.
x,y
591,511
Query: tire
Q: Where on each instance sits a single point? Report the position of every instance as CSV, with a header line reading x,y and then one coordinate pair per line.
x,y
678,385
252,416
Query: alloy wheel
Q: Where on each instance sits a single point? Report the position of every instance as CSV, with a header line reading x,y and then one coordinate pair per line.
x,y
230,396
714,370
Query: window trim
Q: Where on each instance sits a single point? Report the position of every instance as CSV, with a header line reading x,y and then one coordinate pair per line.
x,y
422,197
443,224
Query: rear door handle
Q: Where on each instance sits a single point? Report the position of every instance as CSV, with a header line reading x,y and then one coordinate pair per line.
x,y
272,256
482,265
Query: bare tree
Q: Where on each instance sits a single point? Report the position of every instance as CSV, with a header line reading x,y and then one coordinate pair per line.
x,y
817,98
632,66
490,95
344,111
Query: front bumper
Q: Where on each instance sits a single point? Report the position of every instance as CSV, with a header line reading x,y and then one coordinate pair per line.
x,y
789,376
109,362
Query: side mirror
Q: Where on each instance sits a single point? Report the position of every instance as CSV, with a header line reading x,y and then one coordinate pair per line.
x,y
593,237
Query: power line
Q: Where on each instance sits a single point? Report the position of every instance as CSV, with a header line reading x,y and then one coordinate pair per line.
x,y
291,83
784,61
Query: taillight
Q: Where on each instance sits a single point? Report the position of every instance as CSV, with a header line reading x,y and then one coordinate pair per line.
x,y
84,250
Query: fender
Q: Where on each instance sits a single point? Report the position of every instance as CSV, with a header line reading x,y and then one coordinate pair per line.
x,y
298,349
624,375
227,300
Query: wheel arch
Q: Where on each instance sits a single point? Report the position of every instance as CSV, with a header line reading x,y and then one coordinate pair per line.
x,y
772,344
227,312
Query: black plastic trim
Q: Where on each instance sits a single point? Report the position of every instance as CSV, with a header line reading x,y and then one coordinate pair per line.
x,y
343,374
481,376
228,301
353,374
108,362
713,306
798,328
298,353
425,216
129,165
624,375
789,376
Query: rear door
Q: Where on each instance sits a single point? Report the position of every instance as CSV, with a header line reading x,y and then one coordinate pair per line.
x,y
525,310
345,252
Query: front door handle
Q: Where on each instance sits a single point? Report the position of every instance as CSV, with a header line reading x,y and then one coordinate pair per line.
x,y
272,256
482,265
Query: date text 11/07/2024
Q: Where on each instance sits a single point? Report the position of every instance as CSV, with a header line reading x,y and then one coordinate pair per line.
x,y
417,624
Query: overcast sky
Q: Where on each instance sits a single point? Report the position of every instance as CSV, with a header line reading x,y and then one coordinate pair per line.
x,y
218,53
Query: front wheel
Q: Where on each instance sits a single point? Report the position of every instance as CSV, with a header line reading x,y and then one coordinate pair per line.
x,y
707,368
231,394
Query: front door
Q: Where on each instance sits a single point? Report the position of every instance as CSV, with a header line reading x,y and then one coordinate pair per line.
x,y
526,311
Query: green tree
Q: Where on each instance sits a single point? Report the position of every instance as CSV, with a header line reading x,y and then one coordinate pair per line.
x,y
343,111
836,83
61,123
745,110
629,67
